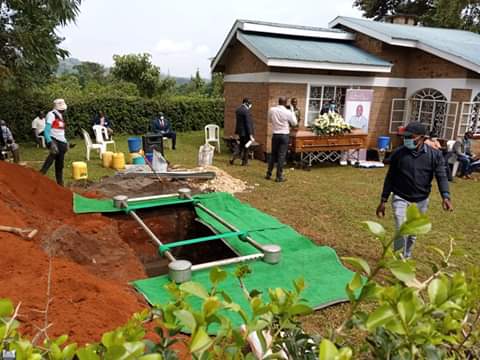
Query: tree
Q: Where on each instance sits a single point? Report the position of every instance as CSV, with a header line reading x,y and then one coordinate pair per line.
x,y
216,85
90,71
456,14
137,69
377,9
29,45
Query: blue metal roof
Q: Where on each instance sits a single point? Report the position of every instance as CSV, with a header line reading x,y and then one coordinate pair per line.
x,y
315,50
458,43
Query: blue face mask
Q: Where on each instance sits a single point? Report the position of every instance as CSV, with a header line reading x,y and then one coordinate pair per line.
x,y
410,144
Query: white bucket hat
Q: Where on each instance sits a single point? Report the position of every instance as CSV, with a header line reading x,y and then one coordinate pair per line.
x,y
59,104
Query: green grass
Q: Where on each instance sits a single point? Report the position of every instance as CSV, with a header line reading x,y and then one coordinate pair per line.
x,y
327,204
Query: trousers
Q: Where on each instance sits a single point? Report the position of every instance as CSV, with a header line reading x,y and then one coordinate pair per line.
x,y
405,243
58,158
279,154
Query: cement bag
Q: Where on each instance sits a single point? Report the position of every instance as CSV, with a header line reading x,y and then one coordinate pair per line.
x,y
159,164
205,155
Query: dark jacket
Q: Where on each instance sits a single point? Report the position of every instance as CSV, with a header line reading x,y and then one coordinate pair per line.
x,y
158,128
411,173
244,124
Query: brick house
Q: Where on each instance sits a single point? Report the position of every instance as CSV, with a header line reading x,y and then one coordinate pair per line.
x,y
428,74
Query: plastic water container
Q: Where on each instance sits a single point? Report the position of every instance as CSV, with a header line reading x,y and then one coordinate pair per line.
x,y
118,162
383,142
107,158
133,156
134,144
205,155
79,170
149,157
138,161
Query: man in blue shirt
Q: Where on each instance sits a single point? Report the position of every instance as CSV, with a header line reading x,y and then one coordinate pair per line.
x,y
412,168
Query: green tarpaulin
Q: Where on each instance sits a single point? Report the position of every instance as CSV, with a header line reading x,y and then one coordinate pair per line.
x,y
319,266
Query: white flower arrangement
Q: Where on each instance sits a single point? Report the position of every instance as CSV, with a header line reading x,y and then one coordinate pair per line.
x,y
330,124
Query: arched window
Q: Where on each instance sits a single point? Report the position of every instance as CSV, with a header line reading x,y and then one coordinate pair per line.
x,y
429,106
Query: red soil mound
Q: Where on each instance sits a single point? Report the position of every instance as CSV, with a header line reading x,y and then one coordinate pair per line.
x,y
90,268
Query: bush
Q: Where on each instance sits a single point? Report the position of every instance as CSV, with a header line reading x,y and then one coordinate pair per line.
x,y
129,115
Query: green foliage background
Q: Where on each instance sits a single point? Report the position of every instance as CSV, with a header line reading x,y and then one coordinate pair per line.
x,y
130,114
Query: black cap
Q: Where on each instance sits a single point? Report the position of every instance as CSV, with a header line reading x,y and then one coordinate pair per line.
x,y
414,128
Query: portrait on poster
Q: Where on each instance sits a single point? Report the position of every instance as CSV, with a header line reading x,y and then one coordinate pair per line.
x,y
357,108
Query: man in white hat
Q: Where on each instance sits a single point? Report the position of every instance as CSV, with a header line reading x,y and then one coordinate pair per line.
x,y
55,139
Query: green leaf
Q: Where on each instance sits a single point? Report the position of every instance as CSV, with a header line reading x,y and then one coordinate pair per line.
x,y
217,275
328,350
413,212
187,319
299,285
406,309
151,357
375,228
87,353
69,351
358,264
402,270
6,308
195,289
345,353
210,306
438,291
200,341
380,317
356,282
300,309
418,226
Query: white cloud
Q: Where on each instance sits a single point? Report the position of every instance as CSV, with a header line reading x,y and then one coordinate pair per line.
x,y
167,46
202,49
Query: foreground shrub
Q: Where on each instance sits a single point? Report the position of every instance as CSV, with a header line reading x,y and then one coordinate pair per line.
x,y
437,318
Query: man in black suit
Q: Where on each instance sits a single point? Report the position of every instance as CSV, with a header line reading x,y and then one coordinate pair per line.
x,y
161,125
244,130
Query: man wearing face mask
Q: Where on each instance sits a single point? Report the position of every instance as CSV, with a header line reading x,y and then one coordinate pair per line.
x,y
409,178
161,125
244,130
55,139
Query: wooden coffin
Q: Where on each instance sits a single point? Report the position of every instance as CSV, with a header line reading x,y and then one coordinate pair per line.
x,y
306,141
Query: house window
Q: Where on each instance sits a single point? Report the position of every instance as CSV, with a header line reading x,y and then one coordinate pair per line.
x,y
320,96
429,106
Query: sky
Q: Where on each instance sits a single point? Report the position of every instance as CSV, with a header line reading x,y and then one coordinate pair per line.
x,y
181,35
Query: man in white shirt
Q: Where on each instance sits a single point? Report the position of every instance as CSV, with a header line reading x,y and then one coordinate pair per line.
x,y
281,118
358,120
38,127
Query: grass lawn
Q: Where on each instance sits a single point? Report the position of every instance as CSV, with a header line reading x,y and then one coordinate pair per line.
x,y
326,204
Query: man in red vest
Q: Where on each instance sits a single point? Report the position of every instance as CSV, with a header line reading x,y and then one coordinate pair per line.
x,y
55,139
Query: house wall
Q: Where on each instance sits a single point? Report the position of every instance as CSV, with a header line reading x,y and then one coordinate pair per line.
x,y
240,60
259,95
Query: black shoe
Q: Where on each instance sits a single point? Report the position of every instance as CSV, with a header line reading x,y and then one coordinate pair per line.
x,y
280,180
268,177
244,163
231,161
72,145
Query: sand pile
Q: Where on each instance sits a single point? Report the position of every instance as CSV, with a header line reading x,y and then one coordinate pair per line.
x,y
223,182
90,266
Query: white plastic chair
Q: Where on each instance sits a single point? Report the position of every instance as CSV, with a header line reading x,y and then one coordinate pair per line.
x,y
453,157
212,134
42,139
91,146
102,137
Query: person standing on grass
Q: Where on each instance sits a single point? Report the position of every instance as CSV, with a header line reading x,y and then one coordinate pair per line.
x,y
412,168
244,130
38,127
55,139
280,118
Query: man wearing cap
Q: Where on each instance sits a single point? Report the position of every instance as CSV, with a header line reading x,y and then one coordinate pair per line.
x,y
55,139
412,168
